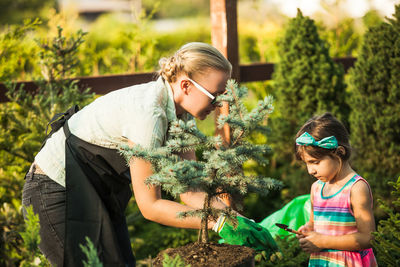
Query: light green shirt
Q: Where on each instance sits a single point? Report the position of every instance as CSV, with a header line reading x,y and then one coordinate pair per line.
x,y
140,113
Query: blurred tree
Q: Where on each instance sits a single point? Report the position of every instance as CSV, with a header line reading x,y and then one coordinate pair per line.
x,y
306,82
371,18
16,59
23,123
343,38
375,100
16,11
178,8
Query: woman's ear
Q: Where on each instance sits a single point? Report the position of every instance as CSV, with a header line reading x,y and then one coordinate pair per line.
x,y
185,84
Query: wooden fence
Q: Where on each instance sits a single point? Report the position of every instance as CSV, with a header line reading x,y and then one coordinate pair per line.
x,y
107,83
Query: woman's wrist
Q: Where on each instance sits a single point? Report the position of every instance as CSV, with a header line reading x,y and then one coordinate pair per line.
x,y
211,224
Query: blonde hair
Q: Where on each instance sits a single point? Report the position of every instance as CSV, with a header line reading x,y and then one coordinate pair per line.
x,y
193,58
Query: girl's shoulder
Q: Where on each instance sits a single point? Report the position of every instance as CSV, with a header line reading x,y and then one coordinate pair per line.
x,y
361,194
316,187
317,184
360,186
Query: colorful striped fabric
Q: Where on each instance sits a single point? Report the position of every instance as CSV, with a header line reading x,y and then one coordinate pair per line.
x,y
333,216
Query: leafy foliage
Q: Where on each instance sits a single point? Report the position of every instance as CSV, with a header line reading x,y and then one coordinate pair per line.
x,y
291,254
91,253
23,123
306,82
375,98
173,262
24,118
387,238
168,9
16,11
16,51
344,40
31,253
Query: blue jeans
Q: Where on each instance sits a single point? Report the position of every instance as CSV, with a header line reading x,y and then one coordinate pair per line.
x,y
48,201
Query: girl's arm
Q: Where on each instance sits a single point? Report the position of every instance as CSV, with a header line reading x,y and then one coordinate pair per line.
x,y
361,202
309,226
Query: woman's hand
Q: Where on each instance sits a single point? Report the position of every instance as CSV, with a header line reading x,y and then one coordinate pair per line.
x,y
309,242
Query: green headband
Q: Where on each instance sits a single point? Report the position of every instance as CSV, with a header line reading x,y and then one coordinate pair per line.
x,y
307,140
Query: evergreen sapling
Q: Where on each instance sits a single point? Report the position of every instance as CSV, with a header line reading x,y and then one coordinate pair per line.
x,y
220,169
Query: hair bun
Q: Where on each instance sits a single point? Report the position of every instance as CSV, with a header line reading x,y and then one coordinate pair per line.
x,y
169,67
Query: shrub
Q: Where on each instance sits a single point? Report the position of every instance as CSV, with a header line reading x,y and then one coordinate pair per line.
x,y
375,101
306,81
30,252
387,238
22,129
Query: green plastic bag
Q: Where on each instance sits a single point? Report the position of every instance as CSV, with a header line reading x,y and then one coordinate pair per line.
x,y
294,214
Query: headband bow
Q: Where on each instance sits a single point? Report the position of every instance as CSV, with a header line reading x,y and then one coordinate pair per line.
x,y
307,140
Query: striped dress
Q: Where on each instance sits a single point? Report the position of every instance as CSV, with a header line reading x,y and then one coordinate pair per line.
x,y
333,216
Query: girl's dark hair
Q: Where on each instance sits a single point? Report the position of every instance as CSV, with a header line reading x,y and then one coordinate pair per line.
x,y
320,127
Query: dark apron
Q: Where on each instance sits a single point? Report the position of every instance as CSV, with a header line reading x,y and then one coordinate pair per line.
x,y
98,191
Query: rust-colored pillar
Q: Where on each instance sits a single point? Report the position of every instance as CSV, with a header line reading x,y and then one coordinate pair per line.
x,y
224,37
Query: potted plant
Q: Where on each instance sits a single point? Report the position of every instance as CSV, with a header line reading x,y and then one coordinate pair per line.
x,y
219,171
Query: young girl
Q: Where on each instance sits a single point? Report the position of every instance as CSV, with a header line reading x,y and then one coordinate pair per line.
x,y
341,221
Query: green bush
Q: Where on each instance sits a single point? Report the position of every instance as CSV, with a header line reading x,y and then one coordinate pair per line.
x,y
306,81
16,49
23,123
344,39
375,101
31,255
292,254
115,46
387,238
91,254
173,262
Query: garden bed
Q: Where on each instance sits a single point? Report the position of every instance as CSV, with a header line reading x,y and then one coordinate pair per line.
x,y
207,254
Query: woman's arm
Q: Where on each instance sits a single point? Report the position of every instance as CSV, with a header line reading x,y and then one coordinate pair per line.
x,y
194,198
150,203
361,202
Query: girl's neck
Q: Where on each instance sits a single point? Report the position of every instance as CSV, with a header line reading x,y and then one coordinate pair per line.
x,y
345,174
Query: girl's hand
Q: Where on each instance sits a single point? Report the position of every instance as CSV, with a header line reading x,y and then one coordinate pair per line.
x,y
304,230
309,242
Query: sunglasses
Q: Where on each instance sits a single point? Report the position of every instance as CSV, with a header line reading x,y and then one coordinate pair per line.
x,y
202,89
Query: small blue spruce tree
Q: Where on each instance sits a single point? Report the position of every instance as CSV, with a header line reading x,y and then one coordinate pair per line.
x,y
220,169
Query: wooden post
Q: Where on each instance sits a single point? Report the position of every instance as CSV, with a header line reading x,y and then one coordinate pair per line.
x,y
224,37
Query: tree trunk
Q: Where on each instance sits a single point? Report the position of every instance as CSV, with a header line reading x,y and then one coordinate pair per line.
x,y
203,233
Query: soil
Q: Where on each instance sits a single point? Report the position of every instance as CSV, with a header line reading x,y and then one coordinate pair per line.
x,y
208,254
